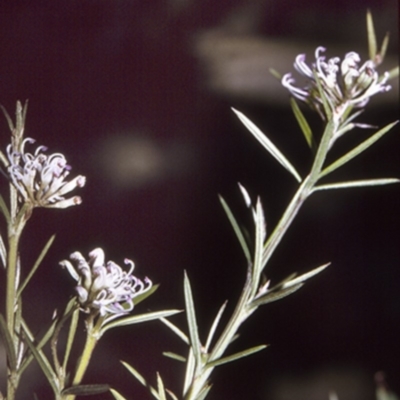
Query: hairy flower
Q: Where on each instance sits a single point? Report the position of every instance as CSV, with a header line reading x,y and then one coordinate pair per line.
x,y
104,289
41,179
343,82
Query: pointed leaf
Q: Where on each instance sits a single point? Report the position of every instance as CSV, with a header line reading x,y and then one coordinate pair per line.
x,y
140,378
175,329
36,265
161,389
3,253
174,356
4,210
274,295
189,373
360,183
304,277
357,150
215,325
236,356
275,74
372,44
394,73
236,229
43,363
385,44
145,295
326,102
8,118
86,390
268,145
71,335
304,126
203,392
137,319
8,344
191,320
116,395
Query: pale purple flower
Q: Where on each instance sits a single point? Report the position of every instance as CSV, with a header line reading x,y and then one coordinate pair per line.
x,y
41,179
105,289
343,82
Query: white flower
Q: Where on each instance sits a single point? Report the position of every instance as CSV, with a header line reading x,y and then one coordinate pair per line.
x,y
105,289
343,83
41,179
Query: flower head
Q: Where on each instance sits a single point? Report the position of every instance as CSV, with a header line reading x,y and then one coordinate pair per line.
x,y
41,179
104,289
343,82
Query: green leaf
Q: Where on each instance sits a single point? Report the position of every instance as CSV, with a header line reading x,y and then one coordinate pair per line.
x,y
236,356
43,363
161,389
140,378
175,329
116,395
86,390
145,295
42,342
356,151
236,229
174,356
275,74
326,102
3,252
138,319
189,373
274,295
394,73
372,44
268,145
8,118
304,126
302,278
8,344
36,265
203,392
360,183
191,320
215,325
4,210
385,44
71,331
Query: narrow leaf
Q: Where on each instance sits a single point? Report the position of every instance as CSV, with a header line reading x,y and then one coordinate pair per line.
x,y
161,389
145,295
189,373
385,44
326,102
46,337
36,265
116,395
275,74
175,329
360,183
8,118
356,151
372,44
8,344
204,392
191,320
140,378
236,229
4,210
394,73
304,126
268,145
174,356
3,252
86,390
137,319
43,363
71,336
275,295
304,277
236,356
215,325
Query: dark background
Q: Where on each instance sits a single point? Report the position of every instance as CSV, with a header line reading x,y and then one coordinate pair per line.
x,y
137,95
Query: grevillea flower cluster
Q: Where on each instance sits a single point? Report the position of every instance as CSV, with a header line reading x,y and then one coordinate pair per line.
x,y
343,82
105,289
41,179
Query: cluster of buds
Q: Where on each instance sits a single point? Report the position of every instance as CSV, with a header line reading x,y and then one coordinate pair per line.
x,y
104,289
40,179
344,83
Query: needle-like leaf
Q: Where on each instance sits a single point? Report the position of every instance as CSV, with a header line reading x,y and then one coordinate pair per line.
x,y
268,145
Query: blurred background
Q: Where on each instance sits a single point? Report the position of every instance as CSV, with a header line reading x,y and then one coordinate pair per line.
x,y
137,95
